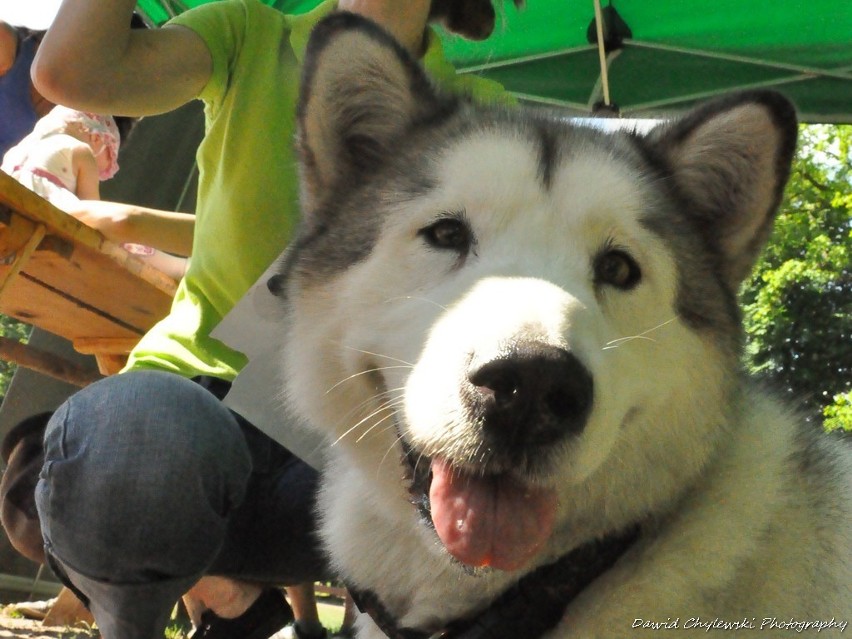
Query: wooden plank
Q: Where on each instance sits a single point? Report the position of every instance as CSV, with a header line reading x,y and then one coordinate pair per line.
x,y
22,257
106,345
28,301
109,363
45,363
17,198
79,273
15,232
75,284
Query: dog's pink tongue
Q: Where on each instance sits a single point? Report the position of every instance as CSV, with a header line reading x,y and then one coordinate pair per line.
x,y
491,521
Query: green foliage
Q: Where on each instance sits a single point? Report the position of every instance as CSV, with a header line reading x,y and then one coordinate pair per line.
x,y
798,304
176,631
839,414
13,329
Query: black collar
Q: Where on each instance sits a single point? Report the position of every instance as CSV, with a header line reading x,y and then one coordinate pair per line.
x,y
531,607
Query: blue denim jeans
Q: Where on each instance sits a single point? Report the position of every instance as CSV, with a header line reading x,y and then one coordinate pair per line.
x,y
149,483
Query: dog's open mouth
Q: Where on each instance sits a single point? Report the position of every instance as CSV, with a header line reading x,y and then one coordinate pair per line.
x,y
482,520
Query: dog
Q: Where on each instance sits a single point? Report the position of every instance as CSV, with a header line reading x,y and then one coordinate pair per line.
x,y
521,339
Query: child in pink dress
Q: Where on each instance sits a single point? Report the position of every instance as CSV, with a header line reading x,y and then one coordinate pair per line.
x,y
64,160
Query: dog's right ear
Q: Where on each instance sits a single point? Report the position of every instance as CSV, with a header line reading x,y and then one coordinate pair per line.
x,y
360,91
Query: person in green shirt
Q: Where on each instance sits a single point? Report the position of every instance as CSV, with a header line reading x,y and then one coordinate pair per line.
x,y
149,482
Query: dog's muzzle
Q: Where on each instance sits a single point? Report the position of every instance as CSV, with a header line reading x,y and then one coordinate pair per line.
x,y
483,505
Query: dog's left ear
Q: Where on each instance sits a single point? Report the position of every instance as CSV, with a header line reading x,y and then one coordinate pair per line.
x,y
361,91
730,160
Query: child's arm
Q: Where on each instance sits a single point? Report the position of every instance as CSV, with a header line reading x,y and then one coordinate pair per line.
x,y
172,265
143,232
165,230
85,168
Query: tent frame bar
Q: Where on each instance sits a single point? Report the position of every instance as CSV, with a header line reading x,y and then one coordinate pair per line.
x,y
487,66
603,80
840,74
701,95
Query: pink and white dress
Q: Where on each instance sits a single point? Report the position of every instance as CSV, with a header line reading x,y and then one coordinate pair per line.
x,y
48,171
42,161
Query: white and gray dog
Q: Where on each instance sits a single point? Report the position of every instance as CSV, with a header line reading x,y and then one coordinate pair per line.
x,y
521,338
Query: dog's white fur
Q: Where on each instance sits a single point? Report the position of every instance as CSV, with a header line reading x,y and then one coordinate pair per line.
x,y
745,513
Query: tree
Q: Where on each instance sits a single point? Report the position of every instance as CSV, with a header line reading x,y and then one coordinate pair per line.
x,y
798,303
13,329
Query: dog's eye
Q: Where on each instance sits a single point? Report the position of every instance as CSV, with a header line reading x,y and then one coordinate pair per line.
x,y
450,233
616,268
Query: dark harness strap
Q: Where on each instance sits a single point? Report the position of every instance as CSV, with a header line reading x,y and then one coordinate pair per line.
x,y
531,607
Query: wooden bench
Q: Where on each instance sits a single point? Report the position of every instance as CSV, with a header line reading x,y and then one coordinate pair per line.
x,y
65,277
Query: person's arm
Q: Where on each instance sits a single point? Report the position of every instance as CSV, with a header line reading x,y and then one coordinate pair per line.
x,y
8,47
85,168
90,59
122,223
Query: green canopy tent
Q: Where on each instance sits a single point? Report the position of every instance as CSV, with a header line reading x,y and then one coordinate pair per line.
x,y
656,57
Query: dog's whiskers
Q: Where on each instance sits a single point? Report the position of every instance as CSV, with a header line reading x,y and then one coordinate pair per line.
x,y
388,405
393,359
396,441
643,335
366,372
374,398
366,402
374,426
366,418
419,299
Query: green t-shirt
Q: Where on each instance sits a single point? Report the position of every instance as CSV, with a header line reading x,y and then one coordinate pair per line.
x,y
247,203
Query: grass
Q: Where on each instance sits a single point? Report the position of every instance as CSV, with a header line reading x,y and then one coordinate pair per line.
x,y
176,631
82,630
330,613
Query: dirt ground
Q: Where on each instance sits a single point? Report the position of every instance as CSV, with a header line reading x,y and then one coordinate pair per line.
x,y
24,621
19,621
13,627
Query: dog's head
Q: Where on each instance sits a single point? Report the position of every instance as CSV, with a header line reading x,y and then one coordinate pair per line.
x,y
533,317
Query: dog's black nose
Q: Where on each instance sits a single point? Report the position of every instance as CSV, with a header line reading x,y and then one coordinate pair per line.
x,y
534,394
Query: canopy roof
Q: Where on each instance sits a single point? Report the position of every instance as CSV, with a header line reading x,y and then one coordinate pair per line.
x,y
661,55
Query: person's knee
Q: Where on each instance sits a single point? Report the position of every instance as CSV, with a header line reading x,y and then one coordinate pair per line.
x,y
144,429
144,465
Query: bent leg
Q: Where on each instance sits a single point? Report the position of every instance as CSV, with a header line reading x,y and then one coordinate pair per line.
x,y
142,472
272,536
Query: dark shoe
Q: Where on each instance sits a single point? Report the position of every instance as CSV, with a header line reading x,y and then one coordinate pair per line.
x,y
267,615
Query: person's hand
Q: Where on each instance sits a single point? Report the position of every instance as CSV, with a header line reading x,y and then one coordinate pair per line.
x,y
471,19
404,19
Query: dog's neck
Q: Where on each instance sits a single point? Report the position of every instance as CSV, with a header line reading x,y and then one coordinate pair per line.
x,y
531,607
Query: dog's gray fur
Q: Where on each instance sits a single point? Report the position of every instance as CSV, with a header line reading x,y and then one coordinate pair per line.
x,y
444,240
